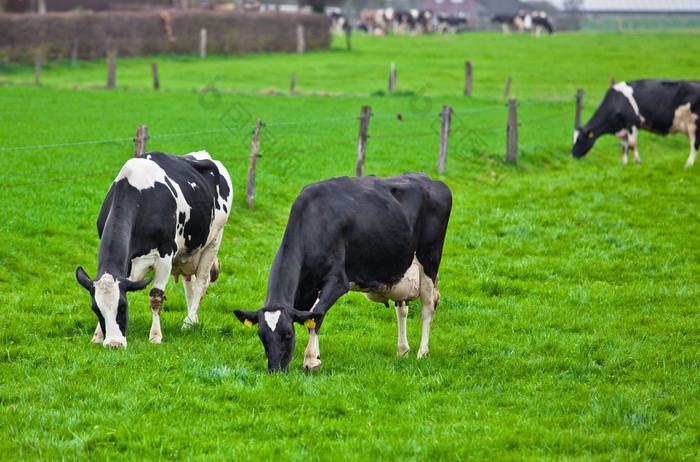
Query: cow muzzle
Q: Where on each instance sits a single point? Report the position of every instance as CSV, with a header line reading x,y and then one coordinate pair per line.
x,y
115,343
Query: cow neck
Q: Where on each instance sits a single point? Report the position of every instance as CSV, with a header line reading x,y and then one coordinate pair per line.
x,y
284,274
115,245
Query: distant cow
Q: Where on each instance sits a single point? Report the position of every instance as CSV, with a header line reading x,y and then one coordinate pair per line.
x,y
451,24
381,236
164,213
658,106
541,21
339,22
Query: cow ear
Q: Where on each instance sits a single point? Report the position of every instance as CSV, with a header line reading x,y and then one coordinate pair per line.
x,y
83,279
248,318
306,318
131,286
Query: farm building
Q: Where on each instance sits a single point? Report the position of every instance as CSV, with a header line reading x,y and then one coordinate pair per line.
x,y
639,14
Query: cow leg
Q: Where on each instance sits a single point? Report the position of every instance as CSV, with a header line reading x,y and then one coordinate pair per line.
x,y
162,268
401,314
332,290
625,149
99,336
196,285
428,301
634,134
694,142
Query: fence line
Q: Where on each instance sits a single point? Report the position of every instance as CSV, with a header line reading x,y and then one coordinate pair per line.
x,y
244,131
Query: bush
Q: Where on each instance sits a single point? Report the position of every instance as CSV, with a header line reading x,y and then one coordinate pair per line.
x,y
148,33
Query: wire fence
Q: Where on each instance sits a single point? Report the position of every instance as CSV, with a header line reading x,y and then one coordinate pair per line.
x,y
414,123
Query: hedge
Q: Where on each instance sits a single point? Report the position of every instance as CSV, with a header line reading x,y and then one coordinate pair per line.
x,y
153,32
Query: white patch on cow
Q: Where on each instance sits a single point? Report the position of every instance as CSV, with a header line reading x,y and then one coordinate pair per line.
x,y
141,173
684,121
200,155
407,289
271,318
194,185
577,132
628,92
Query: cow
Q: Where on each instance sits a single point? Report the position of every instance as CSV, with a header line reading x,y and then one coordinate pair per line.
x,y
451,24
658,106
541,21
164,213
380,236
340,25
510,20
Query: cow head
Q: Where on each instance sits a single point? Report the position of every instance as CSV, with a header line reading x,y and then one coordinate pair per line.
x,y
583,142
109,304
276,331
616,112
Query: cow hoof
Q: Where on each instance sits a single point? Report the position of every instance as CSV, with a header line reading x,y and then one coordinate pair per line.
x,y
402,352
156,337
423,353
97,339
188,322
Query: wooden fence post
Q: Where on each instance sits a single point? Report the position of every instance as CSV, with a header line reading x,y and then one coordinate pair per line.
x,y
348,31
254,148
579,107
392,78
512,133
362,143
507,90
294,80
446,117
468,79
203,43
301,44
140,140
111,67
154,71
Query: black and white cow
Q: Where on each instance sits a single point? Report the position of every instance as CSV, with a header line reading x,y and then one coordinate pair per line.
x,y
381,236
658,106
164,213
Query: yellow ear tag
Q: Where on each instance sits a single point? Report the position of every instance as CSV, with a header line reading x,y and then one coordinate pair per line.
x,y
310,323
247,323
590,135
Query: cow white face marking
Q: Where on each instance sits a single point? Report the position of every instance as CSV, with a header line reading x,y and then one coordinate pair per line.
x,y
577,132
271,318
107,294
627,91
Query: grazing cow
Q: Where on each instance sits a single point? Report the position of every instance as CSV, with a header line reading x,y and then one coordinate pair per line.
x,y
164,213
510,20
541,21
451,24
658,106
381,236
339,22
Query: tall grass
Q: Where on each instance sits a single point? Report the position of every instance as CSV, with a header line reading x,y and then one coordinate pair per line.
x,y
568,322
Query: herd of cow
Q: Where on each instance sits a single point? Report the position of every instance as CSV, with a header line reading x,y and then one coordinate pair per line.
x,y
414,21
381,236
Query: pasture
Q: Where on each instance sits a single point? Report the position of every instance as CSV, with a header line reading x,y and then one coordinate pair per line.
x,y
568,325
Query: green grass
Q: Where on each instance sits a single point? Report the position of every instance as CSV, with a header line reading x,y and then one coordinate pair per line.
x,y
568,326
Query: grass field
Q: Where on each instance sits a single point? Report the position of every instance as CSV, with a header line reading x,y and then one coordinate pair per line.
x,y
568,326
